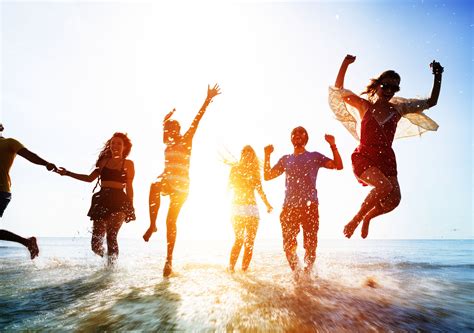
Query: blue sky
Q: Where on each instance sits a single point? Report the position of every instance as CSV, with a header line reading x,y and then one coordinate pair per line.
x,y
73,73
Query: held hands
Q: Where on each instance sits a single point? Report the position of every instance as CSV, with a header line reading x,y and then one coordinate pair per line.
x,y
62,171
436,68
349,59
330,139
211,93
51,167
268,150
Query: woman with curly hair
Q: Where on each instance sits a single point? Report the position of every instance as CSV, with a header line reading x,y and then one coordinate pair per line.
x,y
380,119
244,179
113,204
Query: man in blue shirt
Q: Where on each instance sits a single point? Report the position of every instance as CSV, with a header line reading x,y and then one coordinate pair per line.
x,y
300,207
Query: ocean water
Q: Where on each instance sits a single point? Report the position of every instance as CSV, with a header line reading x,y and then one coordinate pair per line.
x,y
358,285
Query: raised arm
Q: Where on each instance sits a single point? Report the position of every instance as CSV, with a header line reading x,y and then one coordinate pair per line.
x,y
437,72
268,172
336,162
211,93
349,59
82,177
33,158
130,168
352,99
169,115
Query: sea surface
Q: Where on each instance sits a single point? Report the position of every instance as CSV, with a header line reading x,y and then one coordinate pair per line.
x,y
357,285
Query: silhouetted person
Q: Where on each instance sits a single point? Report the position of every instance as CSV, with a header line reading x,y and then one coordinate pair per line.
x,y
244,179
113,204
174,181
9,148
300,208
382,118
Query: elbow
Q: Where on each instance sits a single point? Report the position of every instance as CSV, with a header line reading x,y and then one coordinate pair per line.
x,y
266,177
340,167
432,102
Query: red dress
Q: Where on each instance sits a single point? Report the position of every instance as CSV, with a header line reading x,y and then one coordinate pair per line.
x,y
375,148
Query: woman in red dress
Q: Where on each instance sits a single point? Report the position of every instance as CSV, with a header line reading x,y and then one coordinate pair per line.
x,y
383,118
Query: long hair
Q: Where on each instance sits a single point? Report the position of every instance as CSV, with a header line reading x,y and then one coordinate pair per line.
x,y
371,88
106,153
247,170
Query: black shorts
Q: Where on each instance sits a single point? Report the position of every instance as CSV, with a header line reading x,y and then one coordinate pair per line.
x,y
5,198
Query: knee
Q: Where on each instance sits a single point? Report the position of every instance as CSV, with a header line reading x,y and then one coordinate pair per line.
x,y
393,201
238,241
155,188
385,187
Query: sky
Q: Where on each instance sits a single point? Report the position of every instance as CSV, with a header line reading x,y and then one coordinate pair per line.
x,y
75,72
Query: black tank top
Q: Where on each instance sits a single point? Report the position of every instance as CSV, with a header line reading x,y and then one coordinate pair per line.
x,y
113,175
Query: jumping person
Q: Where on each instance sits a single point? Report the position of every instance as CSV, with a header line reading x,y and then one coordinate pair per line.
x,y
380,116
174,181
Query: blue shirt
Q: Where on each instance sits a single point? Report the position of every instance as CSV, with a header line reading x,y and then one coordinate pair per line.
x,y
301,173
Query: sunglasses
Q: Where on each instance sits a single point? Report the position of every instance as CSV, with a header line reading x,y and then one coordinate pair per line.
x,y
391,87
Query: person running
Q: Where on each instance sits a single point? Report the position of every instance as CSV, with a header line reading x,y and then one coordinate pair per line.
x,y
300,207
382,118
113,204
244,179
9,148
174,181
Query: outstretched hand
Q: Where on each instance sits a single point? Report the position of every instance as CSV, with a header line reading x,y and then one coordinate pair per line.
x,y
436,67
211,93
330,139
349,59
268,149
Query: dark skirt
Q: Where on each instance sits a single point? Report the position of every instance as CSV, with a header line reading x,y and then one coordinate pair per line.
x,y
365,157
108,201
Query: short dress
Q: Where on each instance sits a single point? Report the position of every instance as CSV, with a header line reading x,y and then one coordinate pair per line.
x,y
375,148
111,200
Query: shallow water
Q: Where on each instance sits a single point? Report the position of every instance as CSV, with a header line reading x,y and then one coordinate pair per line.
x,y
358,285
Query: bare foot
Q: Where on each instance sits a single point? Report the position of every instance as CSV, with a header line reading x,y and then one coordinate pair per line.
x,y
149,232
33,247
350,228
167,270
365,229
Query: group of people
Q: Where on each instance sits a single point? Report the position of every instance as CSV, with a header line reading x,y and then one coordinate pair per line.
x,y
375,121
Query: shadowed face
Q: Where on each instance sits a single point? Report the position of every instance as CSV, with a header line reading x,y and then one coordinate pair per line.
x,y
171,131
387,88
116,147
299,137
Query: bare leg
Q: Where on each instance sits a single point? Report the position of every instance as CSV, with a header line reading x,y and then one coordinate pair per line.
x,y
387,205
30,243
239,228
154,206
310,224
113,223
98,234
252,226
382,188
173,212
